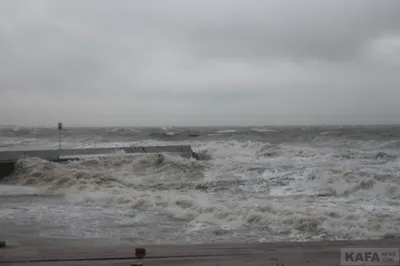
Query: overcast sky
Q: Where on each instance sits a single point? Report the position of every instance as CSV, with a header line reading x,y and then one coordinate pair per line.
x,y
209,62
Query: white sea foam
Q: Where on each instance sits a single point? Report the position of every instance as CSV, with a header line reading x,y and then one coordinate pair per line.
x,y
281,191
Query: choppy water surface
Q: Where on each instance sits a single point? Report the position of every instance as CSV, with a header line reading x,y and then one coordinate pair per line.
x,y
253,184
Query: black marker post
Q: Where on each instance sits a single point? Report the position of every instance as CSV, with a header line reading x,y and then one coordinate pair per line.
x,y
59,130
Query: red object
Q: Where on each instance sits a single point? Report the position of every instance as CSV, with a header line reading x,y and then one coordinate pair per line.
x,y
140,252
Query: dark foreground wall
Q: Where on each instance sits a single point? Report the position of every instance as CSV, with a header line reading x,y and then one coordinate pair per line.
x,y
86,252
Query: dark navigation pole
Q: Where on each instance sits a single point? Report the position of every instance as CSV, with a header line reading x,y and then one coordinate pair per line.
x,y
59,131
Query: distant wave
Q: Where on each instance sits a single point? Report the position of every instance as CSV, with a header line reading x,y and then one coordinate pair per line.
x,y
123,130
263,130
225,131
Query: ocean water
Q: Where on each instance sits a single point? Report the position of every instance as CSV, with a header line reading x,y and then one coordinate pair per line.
x,y
252,185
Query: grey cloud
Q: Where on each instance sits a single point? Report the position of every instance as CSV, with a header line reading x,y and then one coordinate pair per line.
x,y
36,57
221,60
323,30
326,30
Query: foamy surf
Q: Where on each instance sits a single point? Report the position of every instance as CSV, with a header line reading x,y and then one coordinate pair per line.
x,y
244,190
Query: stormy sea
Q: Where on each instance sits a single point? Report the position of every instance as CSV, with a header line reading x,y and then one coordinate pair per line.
x,y
252,184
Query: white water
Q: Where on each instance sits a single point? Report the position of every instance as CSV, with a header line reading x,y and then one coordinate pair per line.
x,y
247,191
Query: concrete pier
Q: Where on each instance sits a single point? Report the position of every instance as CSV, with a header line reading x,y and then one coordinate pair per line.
x,y
8,158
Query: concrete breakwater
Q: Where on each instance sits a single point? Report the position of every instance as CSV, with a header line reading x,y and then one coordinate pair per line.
x,y
9,158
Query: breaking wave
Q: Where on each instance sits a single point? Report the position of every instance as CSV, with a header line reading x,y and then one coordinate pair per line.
x,y
284,191
114,171
355,154
226,131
